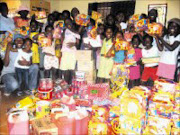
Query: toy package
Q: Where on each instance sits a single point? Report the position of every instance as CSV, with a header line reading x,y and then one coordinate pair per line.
x,y
160,109
44,41
92,32
131,57
157,125
41,16
121,45
164,85
163,97
82,19
97,128
98,92
141,25
150,60
134,18
155,28
4,40
95,15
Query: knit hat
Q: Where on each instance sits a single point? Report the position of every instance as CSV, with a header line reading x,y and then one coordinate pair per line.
x,y
17,36
175,20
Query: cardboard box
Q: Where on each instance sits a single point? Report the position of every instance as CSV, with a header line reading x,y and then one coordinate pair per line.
x,y
85,65
44,126
90,75
86,55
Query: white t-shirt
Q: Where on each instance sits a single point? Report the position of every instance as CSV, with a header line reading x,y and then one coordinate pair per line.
x,y
93,42
152,52
21,55
170,57
123,25
6,24
68,38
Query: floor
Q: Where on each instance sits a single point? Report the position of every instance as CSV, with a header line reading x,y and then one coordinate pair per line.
x,y
5,104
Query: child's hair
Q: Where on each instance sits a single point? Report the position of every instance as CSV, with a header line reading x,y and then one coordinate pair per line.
x,y
153,11
56,15
136,36
107,27
2,6
148,36
28,39
49,26
66,12
144,16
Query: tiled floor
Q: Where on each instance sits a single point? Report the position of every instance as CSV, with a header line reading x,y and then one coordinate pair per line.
x,y
5,104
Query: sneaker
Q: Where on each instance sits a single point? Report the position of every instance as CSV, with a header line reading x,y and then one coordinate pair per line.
x,y
19,93
7,94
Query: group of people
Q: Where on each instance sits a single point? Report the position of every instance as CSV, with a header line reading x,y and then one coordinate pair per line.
x,y
25,60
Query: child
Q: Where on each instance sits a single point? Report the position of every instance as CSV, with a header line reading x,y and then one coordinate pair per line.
x,y
51,62
23,20
70,41
150,69
134,74
120,23
152,15
35,53
170,47
106,61
23,71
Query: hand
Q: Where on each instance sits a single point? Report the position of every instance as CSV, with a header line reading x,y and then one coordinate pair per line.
x,y
23,62
71,44
9,46
108,54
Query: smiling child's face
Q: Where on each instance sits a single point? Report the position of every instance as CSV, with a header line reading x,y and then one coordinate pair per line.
x,y
173,29
19,42
148,42
119,36
135,43
109,33
28,45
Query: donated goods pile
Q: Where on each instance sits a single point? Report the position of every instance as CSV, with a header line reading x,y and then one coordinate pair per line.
x,y
88,108
84,108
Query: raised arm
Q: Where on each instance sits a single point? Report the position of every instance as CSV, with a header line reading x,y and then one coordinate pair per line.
x,y
170,47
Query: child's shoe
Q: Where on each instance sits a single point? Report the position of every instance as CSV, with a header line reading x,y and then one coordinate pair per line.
x,y
19,93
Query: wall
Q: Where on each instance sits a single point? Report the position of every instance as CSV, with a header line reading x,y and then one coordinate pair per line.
x,y
141,5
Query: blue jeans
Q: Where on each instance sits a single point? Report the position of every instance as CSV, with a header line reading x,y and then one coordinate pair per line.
x,y
22,74
10,82
33,76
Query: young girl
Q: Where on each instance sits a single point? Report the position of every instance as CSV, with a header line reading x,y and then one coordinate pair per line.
x,y
106,61
22,72
170,47
70,41
134,74
150,69
35,53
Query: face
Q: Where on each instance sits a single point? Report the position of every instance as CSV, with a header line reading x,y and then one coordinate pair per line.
x,y
19,42
49,31
100,29
75,12
110,20
173,29
109,33
120,17
119,36
28,45
135,42
65,15
148,42
152,15
51,20
23,13
68,24
33,27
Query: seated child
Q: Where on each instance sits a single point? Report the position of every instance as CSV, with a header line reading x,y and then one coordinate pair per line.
x,y
22,71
